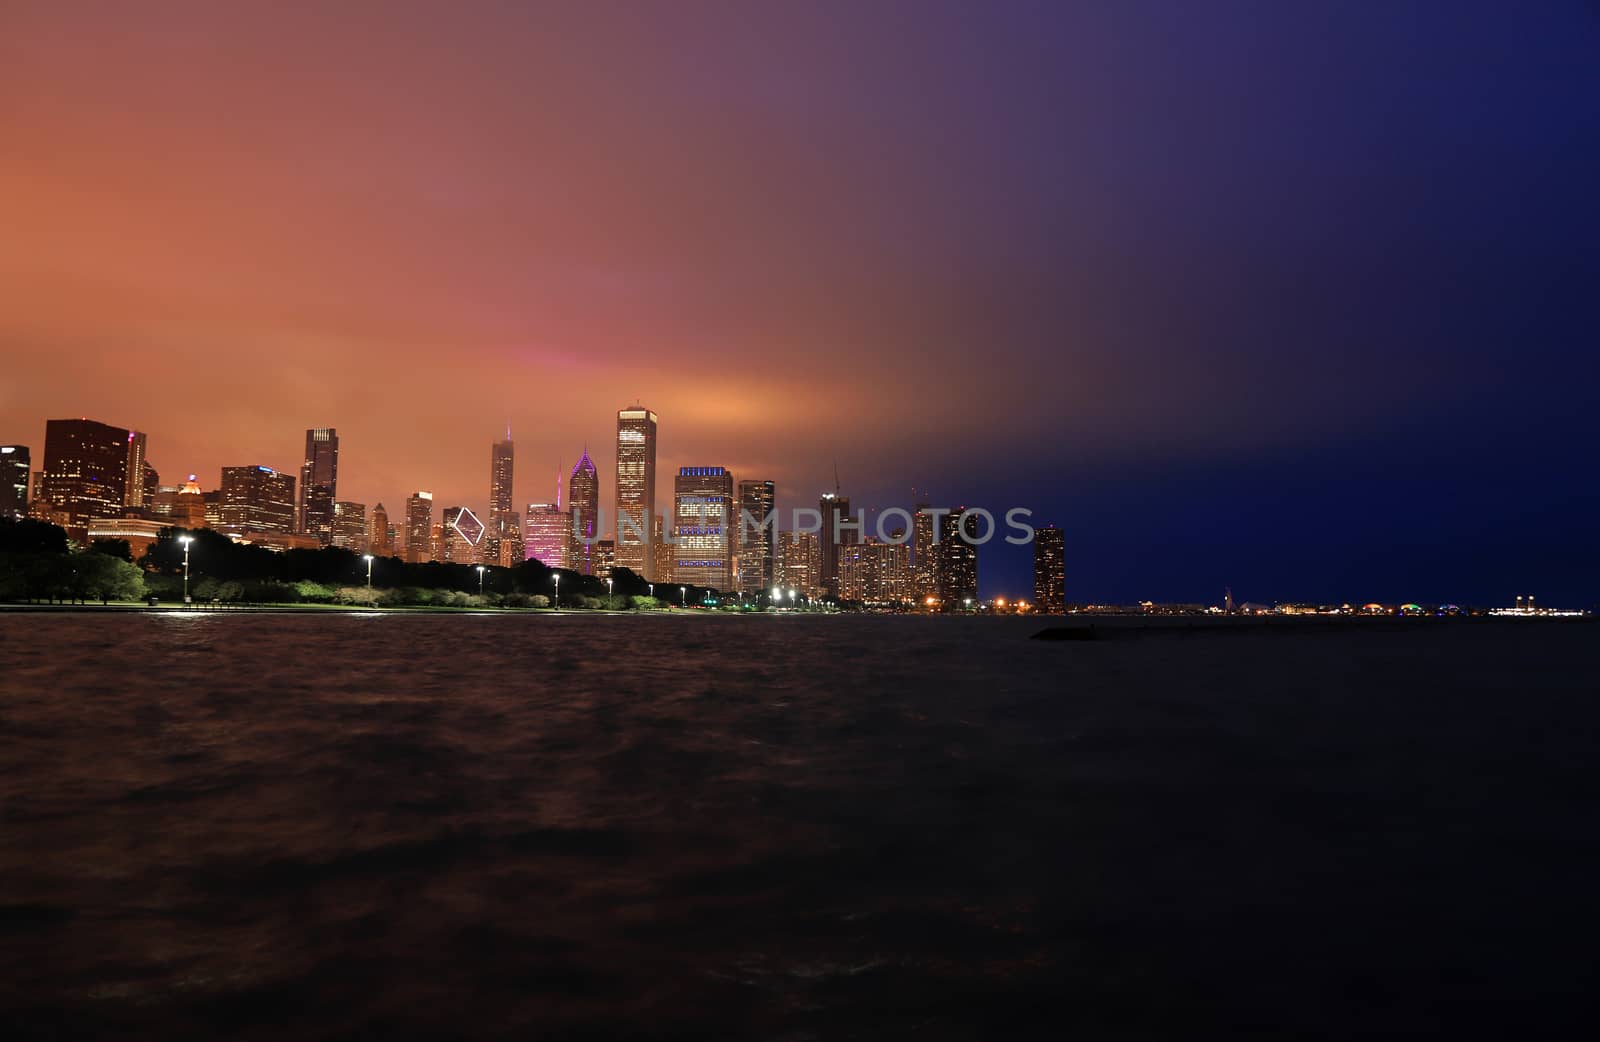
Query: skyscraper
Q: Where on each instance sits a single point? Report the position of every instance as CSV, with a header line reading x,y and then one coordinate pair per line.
x,y
319,479
257,499
757,501
835,510
548,535
662,552
801,562
380,537
419,525
636,491
349,528
583,496
14,464
1049,571
85,470
958,561
703,509
463,533
925,561
133,481
875,573
504,531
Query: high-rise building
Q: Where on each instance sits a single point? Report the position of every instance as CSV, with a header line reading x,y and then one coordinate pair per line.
x,y
1049,571
662,551
605,558
134,476
801,560
349,528
319,480
875,573
835,510
583,496
925,560
14,464
257,499
85,470
547,535
462,536
380,536
703,509
183,506
757,504
419,526
636,491
958,561
505,530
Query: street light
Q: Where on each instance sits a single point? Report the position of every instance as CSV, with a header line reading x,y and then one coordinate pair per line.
x,y
683,591
480,580
652,591
558,589
186,540
368,558
609,584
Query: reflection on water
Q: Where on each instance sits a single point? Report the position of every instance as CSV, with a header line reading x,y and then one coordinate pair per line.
x,y
391,826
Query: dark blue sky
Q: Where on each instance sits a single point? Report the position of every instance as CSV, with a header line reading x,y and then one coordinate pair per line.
x,y
1297,298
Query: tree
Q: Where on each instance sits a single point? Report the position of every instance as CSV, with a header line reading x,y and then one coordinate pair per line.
x,y
117,548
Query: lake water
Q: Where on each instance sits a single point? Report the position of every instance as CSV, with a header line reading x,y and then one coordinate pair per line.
x,y
446,826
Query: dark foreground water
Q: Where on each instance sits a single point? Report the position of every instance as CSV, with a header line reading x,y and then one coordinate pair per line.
x,y
430,827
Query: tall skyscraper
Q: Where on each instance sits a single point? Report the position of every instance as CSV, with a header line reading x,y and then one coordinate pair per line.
x,y
462,536
802,562
665,572
257,499
85,470
925,560
757,502
14,464
349,528
133,480
319,480
1049,571
505,533
703,516
583,496
835,510
380,537
636,491
875,573
419,527
548,535
958,562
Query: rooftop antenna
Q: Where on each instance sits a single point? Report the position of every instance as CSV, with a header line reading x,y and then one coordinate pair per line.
x,y
836,489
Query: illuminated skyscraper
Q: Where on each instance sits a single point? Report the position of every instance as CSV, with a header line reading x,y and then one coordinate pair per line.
x,y
835,510
257,499
419,527
665,571
757,502
134,477
958,561
875,573
703,516
605,558
319,480
1049,571
505,535
547,535
349,528
925,560
801,561
636,491
583,496
462,536
14,464
85,470
380,536
183,506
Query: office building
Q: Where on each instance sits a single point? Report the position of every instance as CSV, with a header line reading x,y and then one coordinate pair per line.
x,y
135,475
349,528
547,535
1049,571
636,491
257,499
183,506
839,528
505,529
662,549
14,464
419,525
461,536
703,509
605,558
958,561
380,534
319,480
924,557
800,558
85,471
583,497
756,528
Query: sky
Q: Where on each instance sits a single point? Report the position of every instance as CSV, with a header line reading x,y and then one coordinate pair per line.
x,y
1294,298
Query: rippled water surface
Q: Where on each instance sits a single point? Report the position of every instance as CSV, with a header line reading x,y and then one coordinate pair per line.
x,y
441,826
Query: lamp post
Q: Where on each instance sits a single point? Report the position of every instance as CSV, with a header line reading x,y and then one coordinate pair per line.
x,y
558,589
609,584
683,591
777,595
652,591
186,540
368,558
480,580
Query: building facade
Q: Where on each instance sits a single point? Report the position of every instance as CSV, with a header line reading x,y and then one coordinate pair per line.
x,y
755,527
319,484
876,573
461,537
636,491
1049,571
505,528
958,561
547,535
800,561
380,536
583,497
703,519
14,466
419,527
349,528
257,499
85,471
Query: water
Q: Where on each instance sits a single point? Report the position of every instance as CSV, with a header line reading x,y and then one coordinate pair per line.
x,y
441,826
